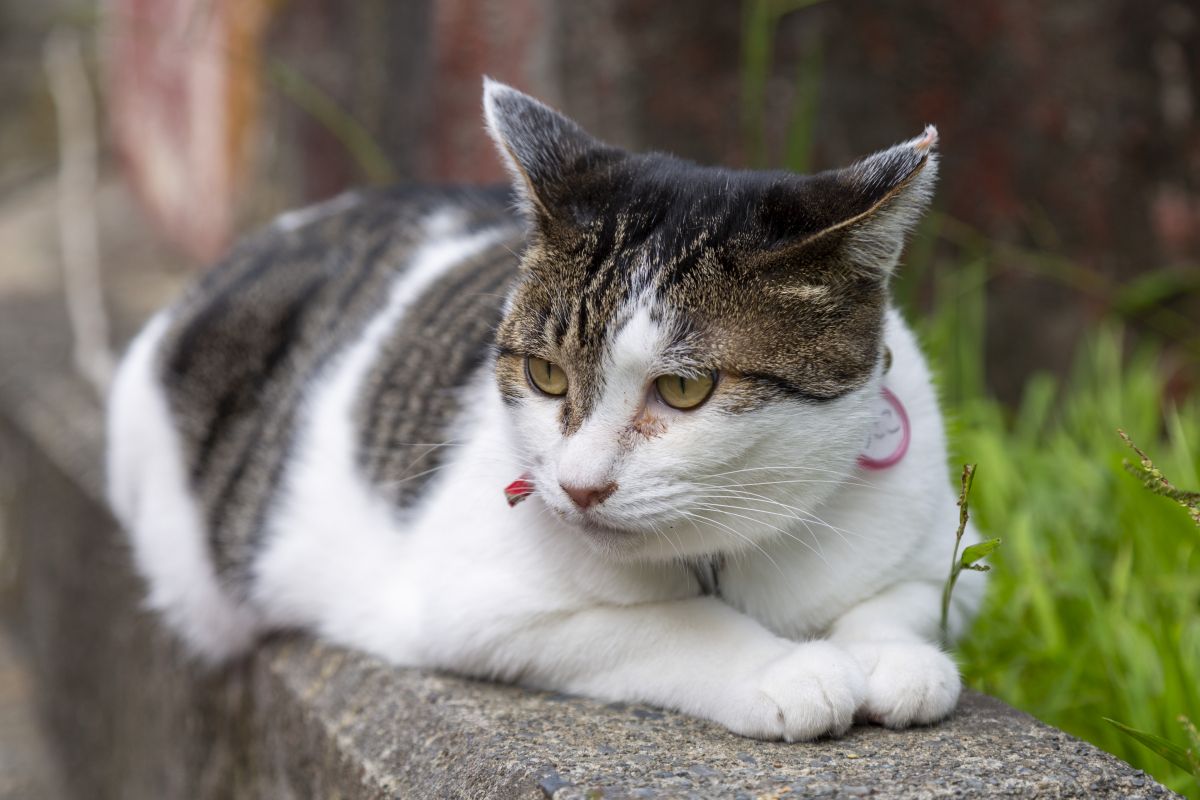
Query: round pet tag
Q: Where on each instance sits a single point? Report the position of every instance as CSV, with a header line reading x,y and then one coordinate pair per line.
x,y
887,441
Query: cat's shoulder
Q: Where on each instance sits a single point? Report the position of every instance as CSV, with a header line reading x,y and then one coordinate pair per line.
x,y
309,270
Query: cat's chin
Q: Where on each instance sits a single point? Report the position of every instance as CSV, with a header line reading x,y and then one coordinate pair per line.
x,y
619,540
608,539
616,545
606,532
634,544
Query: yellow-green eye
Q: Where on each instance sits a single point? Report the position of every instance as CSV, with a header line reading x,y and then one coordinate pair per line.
x,y
546,376
680,391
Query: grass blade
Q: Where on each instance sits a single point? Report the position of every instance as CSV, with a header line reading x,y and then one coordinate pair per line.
x,y
1168,750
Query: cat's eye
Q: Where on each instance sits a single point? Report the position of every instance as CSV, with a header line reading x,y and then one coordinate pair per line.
x,y
546,376
684,392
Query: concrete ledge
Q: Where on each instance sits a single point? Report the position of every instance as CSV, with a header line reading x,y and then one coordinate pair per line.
x,y
130,718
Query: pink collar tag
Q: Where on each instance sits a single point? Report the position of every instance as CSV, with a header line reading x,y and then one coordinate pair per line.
x,y
888,439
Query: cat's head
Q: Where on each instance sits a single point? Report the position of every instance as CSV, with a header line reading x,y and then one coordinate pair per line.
x,y
690,354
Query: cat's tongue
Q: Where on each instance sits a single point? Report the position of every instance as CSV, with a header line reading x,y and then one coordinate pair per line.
x,y
519,489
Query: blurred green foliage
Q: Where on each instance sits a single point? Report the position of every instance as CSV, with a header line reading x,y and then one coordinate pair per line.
x,y
1093,607
759,21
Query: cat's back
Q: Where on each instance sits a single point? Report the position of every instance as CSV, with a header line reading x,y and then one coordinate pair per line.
x,y
234,362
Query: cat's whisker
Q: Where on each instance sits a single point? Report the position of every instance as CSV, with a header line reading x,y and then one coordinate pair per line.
x,y
783,468
718,508
855,482
809,515
447,443
809,519
796,481
502,470
843,532
505,460
422,457
792,514
678,535
387,450
658,532
874,488
741,536
817,550
394,484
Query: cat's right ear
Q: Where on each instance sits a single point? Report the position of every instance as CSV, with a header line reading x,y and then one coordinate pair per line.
x,y
543,150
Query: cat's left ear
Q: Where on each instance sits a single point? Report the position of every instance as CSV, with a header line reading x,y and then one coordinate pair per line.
x,y
858,217
897,184
543,149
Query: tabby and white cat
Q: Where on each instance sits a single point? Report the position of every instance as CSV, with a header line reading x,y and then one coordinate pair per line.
x,y
683,363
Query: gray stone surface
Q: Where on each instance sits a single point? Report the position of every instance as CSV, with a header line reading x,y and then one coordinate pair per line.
x,y
27,769
430,727
131,718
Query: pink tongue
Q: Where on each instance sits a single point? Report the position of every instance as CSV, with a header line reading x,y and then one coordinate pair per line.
x,y
519,489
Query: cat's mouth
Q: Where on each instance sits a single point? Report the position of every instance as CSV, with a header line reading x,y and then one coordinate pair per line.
x,y
596,524
613,528
593,522
611,541
596,528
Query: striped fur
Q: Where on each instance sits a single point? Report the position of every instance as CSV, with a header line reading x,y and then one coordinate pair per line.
x,y
412,395
248,342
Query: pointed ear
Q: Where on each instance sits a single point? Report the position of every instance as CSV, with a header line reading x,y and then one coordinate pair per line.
x,y
542,148
897,184
868,209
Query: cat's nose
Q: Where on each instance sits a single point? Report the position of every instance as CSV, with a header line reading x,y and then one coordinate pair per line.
x,y
587,496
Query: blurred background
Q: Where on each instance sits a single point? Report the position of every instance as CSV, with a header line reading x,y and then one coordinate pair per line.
x,y
1056,285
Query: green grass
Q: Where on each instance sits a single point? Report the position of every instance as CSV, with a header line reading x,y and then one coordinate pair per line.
x,y
1094,605
1093,608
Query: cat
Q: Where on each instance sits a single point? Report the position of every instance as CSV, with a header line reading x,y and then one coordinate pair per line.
x,y
725,464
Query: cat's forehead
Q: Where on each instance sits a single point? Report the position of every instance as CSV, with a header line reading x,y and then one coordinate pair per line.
x,y
681,240
663,200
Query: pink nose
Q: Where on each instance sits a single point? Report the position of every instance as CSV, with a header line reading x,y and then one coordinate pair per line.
x,y
587,496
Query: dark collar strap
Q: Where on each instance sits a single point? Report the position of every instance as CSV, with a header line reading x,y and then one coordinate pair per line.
x,y
708,575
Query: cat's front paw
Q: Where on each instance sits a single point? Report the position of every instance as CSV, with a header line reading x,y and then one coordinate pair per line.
x,y
812,691
907,683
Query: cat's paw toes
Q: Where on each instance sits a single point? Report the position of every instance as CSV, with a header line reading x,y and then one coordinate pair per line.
x,y
908,683
812,691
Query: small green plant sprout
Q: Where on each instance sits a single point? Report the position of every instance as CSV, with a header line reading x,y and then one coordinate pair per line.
x,y
971,556
1187,758
1153,479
